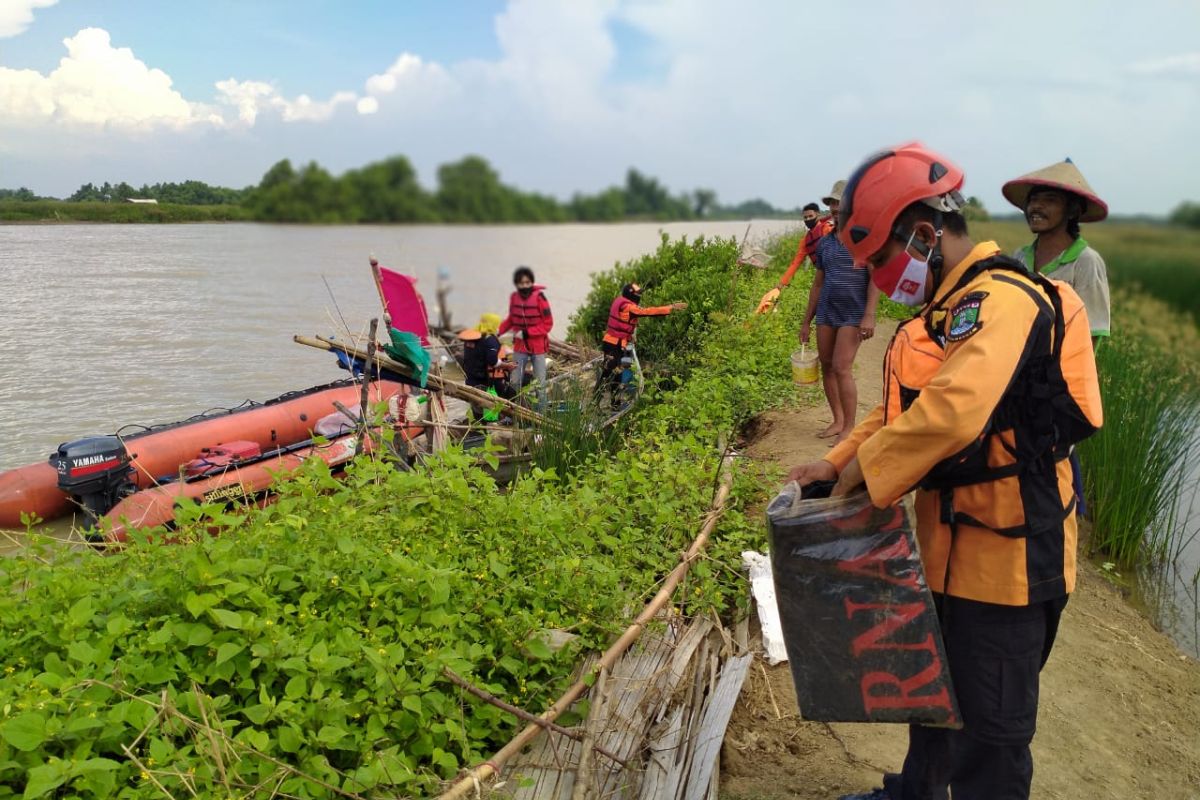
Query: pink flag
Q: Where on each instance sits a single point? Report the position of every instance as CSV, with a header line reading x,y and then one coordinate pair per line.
x,y
403,303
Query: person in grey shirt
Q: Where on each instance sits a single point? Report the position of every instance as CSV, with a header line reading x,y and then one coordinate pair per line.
x,y
1055,200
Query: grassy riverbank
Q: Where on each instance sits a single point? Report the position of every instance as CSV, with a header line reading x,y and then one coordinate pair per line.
x,y
61,211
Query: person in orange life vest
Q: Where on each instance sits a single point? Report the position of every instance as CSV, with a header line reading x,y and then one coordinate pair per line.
x,y
530,320
623,316
816,227
986,390
842,301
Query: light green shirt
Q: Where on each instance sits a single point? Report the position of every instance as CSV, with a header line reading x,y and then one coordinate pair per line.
x,y
1083,270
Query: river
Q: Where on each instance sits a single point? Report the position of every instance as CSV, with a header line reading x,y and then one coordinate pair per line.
x,y
104,325
1170,592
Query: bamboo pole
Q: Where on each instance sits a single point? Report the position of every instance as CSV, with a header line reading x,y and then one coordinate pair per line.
x,y
454,388
466,783
366,384
387,318
522,714
557,347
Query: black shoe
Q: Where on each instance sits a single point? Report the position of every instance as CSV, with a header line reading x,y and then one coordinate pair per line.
x,y
874,794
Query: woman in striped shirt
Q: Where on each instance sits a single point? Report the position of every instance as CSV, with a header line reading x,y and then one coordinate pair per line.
x,y
842,301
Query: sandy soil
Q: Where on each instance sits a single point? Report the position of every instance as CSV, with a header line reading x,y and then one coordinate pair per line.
x,y
1120,709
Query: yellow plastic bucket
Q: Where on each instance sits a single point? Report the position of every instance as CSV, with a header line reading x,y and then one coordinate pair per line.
x,y
804,367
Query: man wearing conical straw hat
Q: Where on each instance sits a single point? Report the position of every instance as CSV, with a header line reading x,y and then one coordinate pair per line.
x,y
1055,199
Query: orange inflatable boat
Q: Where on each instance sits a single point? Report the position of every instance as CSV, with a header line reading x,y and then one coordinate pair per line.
x,y
239,481
97,473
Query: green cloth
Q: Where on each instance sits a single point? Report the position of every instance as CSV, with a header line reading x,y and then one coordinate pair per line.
x,y
492,414
1068,256
406,348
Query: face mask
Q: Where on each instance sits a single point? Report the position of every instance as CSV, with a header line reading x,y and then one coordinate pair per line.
x,y
903,278
525,291
810,223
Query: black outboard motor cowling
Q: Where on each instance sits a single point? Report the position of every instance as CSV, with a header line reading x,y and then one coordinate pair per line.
x,y
96,472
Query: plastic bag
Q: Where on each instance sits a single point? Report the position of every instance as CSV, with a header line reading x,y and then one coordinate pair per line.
x,y
858,618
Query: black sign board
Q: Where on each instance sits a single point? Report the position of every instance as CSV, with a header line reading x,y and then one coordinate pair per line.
x,y
859,623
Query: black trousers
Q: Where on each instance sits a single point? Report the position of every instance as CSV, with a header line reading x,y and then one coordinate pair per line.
x,y
995,655
610,370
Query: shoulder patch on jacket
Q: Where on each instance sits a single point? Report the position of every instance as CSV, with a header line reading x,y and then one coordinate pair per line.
x,y
964,317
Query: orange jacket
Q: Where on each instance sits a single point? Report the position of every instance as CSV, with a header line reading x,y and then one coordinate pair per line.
x,y
991,326
808,246
623,319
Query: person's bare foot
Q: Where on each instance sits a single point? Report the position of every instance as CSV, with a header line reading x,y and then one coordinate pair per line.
x,y
833,430
841,437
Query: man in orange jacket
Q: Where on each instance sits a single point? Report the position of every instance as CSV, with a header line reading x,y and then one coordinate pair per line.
x,y
623,316
987,390
816,228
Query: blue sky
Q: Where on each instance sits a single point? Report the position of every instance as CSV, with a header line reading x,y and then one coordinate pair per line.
x,y
768,98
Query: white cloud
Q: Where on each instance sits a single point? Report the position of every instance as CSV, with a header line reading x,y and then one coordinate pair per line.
x,y
407,66
1184,64
17,15
248,97
100,85
251,98
408,83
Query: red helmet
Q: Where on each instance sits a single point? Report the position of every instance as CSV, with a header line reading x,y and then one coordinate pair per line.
x,y
886,184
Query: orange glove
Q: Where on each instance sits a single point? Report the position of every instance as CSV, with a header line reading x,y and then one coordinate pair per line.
x,y
768,301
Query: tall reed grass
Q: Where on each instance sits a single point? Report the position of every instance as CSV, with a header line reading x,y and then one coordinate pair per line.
x,y
1136,469
577,431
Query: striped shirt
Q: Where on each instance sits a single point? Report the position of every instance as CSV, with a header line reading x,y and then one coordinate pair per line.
x,y
843,299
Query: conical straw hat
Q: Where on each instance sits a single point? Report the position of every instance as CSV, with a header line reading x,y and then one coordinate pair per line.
x,y
1065,176
835,193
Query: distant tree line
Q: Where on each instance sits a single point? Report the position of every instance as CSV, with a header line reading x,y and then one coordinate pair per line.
x,y
1186,214
468,190
188,193
22,195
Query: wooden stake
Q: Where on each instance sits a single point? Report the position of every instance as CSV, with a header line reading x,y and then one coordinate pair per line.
x,y
368,367
593,727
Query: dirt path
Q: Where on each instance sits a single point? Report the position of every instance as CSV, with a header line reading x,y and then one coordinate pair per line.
x,y
1120,709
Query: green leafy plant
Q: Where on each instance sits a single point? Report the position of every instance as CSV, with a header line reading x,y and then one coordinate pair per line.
x,y
301,651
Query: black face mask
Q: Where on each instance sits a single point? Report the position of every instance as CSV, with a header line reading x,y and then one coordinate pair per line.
x,y
810,223
525,292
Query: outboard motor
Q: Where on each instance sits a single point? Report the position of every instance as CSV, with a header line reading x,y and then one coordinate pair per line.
x,y
95,472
